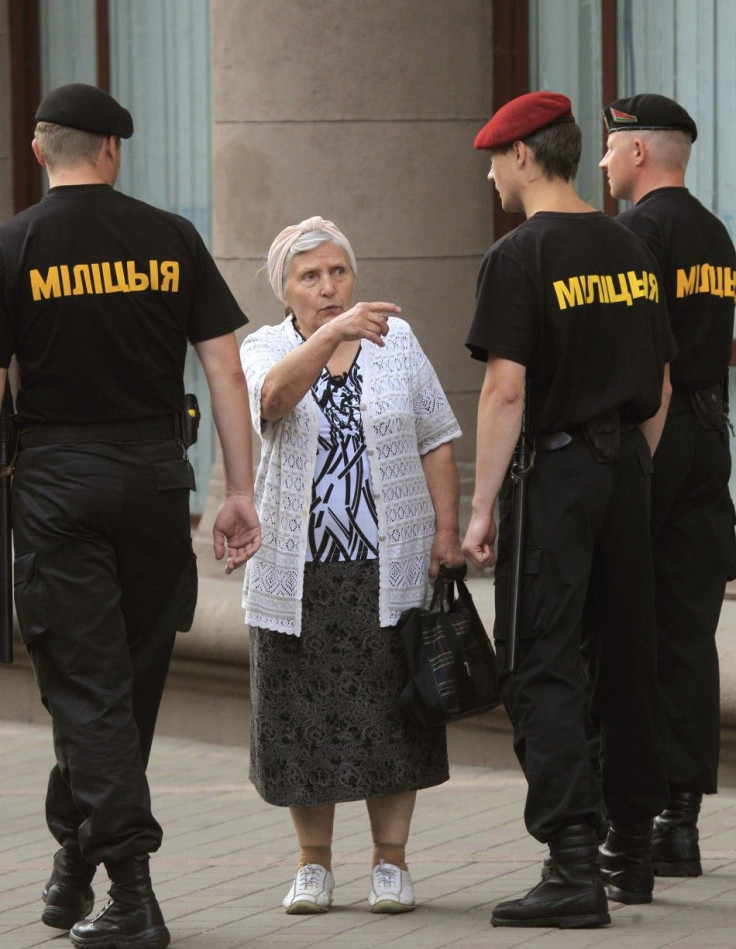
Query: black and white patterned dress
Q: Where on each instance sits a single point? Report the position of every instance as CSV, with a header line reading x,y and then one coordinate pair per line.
x,y
326,725
342,521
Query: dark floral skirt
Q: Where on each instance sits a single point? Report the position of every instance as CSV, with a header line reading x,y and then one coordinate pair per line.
x,y
326,725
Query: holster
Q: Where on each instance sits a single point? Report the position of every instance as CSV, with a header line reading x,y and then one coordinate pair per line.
x,y
188,420
707,405
603,436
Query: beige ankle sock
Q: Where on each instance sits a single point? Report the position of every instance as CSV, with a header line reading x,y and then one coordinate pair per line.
x,y
320,855
390,853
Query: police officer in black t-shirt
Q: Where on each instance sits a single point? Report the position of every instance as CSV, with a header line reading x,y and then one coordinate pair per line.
x,y
99,295
571,301
649,143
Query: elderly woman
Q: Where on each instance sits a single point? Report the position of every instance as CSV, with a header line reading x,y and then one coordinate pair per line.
x,y
357,491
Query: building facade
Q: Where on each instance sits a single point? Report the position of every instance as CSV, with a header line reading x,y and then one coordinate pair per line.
x,y
253,114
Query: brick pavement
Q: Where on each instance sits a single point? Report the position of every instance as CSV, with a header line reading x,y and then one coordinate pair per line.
x,y
228,858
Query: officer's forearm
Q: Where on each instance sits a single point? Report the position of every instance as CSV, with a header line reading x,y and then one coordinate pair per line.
x,y
500,409
231,411
232,420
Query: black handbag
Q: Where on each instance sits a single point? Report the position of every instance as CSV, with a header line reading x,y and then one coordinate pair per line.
x,y
452,665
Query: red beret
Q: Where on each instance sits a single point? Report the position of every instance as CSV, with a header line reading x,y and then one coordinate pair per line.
x,y
522,116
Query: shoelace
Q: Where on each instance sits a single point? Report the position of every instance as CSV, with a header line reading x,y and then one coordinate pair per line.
x,y
386,874
308,875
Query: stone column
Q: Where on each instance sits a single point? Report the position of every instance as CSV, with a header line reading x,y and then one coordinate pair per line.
x,y
365,113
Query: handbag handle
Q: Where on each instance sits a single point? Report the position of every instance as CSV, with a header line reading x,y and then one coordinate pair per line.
x,y
444,586
453,573
463,595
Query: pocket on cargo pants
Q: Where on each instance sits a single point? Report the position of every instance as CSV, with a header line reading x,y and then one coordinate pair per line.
x,y
32,598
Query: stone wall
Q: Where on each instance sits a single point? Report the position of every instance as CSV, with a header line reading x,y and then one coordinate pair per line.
x,y
366,114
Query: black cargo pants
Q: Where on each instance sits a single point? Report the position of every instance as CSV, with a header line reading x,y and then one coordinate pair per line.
x,y
588,577
693,536
104,577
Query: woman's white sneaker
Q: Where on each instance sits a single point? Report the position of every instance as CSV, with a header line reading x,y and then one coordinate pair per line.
x,y
311,891
391,889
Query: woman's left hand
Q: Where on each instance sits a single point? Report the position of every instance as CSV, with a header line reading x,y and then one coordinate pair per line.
x,y
445,552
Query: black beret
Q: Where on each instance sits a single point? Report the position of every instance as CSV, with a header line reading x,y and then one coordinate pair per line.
x,y
87,108
523,116
648,111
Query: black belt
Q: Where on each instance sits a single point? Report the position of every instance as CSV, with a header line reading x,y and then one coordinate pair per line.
x,y
131,430
551,441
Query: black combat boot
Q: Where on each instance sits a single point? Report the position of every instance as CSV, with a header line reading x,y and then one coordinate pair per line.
x,y
626,862
131,917
675,847
600,836
571,896
68,895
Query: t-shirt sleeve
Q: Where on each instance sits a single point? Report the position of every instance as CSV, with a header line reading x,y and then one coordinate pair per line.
x,y
505,319
215,311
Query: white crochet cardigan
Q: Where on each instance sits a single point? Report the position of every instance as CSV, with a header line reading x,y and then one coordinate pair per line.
x,y
405,414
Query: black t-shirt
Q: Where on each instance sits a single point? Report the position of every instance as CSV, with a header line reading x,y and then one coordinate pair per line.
x,y
575,298
99,294
697,261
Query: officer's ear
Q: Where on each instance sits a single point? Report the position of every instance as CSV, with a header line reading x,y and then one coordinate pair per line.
x,y
639,149
110,146
37,152
109,158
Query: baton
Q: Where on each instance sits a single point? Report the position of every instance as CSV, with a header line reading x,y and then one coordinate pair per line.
x,y
521,467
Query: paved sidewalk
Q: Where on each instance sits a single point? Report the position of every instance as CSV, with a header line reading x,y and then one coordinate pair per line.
x,y
228,858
